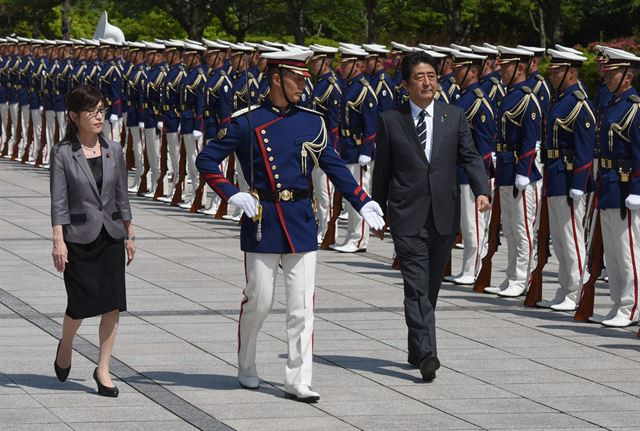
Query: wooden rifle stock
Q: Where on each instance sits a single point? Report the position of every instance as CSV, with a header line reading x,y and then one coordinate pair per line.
x,y
197,198
231,165
534,294
177,190
484,277
330,234
588,291
159,192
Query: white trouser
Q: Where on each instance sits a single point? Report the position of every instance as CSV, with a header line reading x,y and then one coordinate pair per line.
x,y
472,225
62,125
36,120
357,229
621,240
136,141
567,236
49,130
24,123
323,193
518,217
243,186
14,111
299,283
4,123
152,148
173,151
111,130
191,147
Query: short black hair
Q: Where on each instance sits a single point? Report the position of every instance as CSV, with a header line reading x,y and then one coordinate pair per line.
x,y
412,60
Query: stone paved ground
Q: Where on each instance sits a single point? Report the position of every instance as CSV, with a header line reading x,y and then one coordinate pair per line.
x,y
504,366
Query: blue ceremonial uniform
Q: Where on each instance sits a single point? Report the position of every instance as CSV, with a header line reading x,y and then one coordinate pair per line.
x,y
171,107
326,100
538,84
35,82
306,100
398,88
49,85
14,84
480,115
358,120
493,88
383,88
619,148
63,79
217,102
192,101
241,89
449,88
135,102
24,68
110,84
570,143
603,97
153,95
78,74
280,140
93,72
519,130
4,79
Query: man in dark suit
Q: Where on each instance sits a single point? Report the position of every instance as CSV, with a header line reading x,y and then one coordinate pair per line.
x,y
415,181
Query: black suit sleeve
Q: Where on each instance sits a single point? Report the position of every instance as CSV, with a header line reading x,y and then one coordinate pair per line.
x,y
470,159
382,170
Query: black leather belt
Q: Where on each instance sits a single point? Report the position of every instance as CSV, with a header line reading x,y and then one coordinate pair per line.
x,y
283,195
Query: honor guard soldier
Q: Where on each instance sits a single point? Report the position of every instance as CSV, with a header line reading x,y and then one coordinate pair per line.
x,y
78,74
35,97
25,62
395,56
574,51
171,109
379,80
93,63
619,188
535,80
519,133
263,82
479,112
603,95
135,107
326,100
110,84
490,80
192,112
61,87
12,92
358,127
152,88
277,145
569,150
49,87
450,90
5,61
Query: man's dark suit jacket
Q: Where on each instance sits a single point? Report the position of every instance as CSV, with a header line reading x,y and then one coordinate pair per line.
x,y
407,186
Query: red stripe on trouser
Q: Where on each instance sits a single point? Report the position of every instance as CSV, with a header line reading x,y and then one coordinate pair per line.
x,y
244,301
361,219
575,240
633,264
329,197
526,220
478,245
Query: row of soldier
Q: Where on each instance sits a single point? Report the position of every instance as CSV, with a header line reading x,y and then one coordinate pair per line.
x,y
560,164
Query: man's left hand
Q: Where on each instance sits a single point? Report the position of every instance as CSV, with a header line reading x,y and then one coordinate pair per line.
x,y
482,203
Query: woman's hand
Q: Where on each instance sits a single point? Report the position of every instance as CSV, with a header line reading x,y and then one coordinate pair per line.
x,y
130,245
59,254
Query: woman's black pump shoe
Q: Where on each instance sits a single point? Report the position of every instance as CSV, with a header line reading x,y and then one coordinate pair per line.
x,y
61,373
103,390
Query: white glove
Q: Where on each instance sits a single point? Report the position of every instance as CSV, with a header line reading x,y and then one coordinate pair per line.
x,y
245,202
178,129
522,182
364,160
141,124
575,194
40,108
494,158
372,215
160,125
197,134
538,145
113,118
633,202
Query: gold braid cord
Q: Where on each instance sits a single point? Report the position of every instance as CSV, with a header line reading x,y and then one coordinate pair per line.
x,y
314,147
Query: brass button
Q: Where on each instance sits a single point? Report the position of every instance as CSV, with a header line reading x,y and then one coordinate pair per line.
x,y
266,140
276,176
274,167
264,132
271,158
278,185
268,148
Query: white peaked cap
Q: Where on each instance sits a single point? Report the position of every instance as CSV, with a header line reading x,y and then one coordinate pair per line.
x,y
559,47
484,50
513,54
193,48
323,49
537,51
564,58
465,57
461,48
214,45
293,60
375,48
266,48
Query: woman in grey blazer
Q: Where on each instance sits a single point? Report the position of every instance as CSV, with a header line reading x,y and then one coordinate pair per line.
x,y
91,220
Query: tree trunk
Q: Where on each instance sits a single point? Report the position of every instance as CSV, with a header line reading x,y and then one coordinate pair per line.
x,y
456,24
296,8
65,10
371,31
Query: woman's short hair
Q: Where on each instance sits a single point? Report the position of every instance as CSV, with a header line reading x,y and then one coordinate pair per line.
x,y
412,60
84,97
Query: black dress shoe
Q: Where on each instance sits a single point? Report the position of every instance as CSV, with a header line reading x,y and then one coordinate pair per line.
x,y
428,367
413,363
61,373
103,390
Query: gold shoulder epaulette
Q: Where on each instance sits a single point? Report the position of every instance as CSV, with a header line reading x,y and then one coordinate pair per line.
x,y
308,110
243,111
526,89
579,95
478,92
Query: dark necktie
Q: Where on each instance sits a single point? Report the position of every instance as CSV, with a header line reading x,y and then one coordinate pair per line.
x,y
421,128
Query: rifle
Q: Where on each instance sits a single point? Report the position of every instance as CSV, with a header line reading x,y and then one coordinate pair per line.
x,y
484,277
330,234
596,254
177,189
231,163
534,294
197,197
163,167
29,144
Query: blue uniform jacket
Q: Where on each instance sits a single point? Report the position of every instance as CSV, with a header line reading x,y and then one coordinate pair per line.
x,y
36,82
358,120
4,78
135,101
278,139
153,95
536,82
192,101
49,85
620,141
570,143
110,80
24,72
480,114
449,87
63,84
217,102
519,130
326,100
171,107
493,87
383,87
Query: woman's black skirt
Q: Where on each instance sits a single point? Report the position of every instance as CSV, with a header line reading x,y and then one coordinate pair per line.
x,y
94,277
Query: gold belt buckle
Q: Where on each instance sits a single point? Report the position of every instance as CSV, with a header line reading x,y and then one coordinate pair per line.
x,y
568,164
624,176
285,195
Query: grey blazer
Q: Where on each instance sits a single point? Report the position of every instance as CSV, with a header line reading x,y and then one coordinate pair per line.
x,y
75,201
